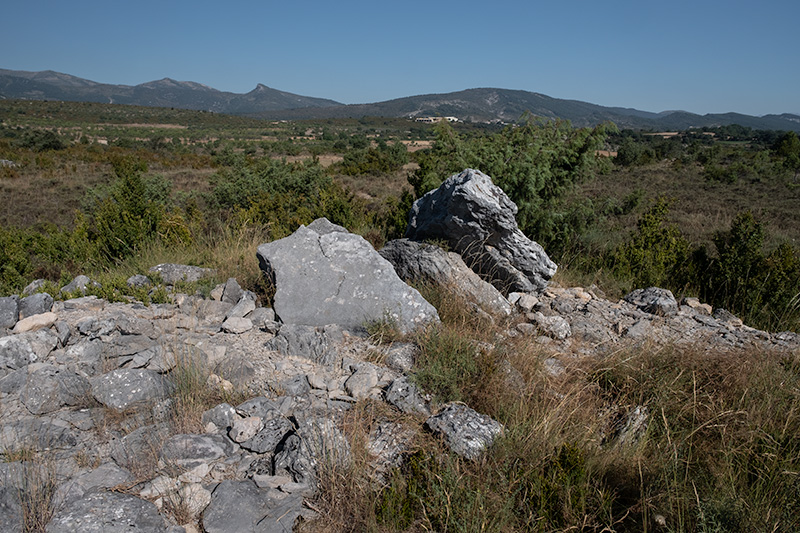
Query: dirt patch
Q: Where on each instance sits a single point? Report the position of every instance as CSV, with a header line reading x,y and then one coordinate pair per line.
x,y
325,160
413,146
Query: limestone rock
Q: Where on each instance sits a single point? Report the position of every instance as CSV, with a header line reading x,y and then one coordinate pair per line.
x,y
244,305
49,388
476,219
172,273
122,388
223,416
10,509
654,300
103,512
243,506
387,443
405,396
35,304
555,327
189,451
9,311
338,278
361,382
272,432
319,344
317,440
427,263
38,321
400,356
79,284
237,325
467,432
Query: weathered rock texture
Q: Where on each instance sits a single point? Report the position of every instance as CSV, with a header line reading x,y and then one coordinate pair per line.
x,y
335,277
95,396
428,263
476,219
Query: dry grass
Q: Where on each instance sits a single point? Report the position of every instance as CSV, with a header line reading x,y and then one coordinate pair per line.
x,y
718,451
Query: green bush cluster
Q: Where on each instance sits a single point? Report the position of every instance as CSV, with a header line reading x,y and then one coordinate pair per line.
x,y
535,163
381,159
737,275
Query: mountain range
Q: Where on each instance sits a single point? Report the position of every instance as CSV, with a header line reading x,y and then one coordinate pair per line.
x,y
477,105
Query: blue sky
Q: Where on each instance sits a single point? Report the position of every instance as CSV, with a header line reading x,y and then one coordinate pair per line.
x,y
703,56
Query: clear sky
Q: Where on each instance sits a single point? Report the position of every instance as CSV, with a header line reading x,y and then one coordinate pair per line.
x,y
703,56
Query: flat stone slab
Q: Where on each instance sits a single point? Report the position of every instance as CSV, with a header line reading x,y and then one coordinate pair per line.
x,y
122,388
338,278
108,512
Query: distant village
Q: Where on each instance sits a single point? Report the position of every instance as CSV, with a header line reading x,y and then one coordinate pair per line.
x,y
433,120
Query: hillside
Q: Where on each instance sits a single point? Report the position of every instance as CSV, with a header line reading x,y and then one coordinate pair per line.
x,y
49,85
475,105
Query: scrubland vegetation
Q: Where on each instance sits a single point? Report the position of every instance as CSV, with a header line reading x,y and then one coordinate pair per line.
x,y
109,191
719,452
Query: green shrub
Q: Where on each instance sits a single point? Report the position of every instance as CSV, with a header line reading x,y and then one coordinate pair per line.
x,y
534,164
656,255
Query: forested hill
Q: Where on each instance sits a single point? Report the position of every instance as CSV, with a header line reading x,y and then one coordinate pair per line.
x,y
477,105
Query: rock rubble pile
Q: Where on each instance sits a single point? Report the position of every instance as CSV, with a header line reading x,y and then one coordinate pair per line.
x,y
92,388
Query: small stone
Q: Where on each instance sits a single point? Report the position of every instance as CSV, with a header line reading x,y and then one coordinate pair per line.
x,y
237,325
35,304
216,292
467,432
296,386
359,384
524,301
32,323
245,428
196,474
232,292
9,311
138,281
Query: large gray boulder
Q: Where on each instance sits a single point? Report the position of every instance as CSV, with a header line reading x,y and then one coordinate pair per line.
x,y
427,263
338,278
476,219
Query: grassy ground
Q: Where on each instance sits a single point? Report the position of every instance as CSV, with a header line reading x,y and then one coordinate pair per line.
x,y
716,450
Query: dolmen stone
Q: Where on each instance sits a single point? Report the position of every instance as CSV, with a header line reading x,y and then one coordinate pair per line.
x,y
427,263
477,220
323,275
467,432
